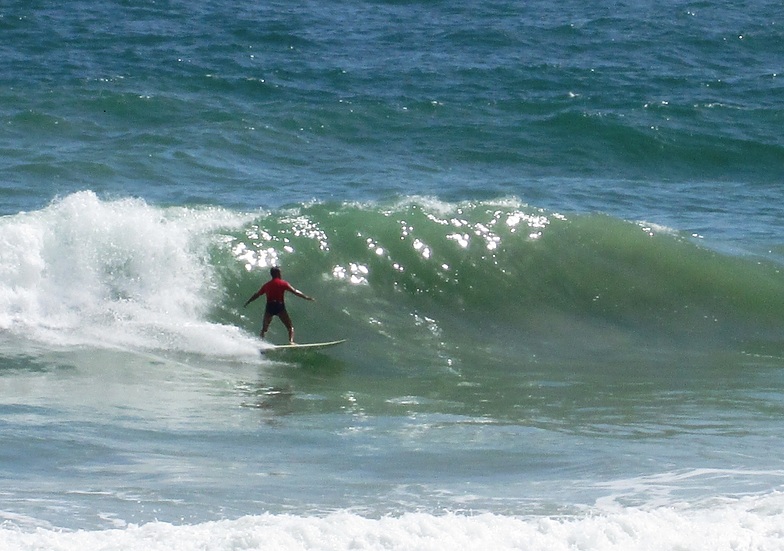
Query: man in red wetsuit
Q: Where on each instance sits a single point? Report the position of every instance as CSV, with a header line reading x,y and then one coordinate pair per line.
x,y
275,288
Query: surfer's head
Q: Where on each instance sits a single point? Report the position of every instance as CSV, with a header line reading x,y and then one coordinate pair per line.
x,y
275,272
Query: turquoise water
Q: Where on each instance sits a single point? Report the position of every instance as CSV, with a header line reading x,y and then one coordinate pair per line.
x,y
551,236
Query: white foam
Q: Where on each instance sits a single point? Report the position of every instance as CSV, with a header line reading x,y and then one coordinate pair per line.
x,y
114,273
749,524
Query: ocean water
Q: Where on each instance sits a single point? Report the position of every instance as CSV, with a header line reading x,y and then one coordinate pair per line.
x,y
551,233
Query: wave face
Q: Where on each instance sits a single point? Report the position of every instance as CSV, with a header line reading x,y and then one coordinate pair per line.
x,y
417,271
500,264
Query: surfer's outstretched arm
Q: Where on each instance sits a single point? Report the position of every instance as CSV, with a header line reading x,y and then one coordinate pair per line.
x,y
256,295
300,294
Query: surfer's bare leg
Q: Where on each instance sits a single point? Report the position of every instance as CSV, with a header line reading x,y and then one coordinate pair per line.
x,y
284,317
265,325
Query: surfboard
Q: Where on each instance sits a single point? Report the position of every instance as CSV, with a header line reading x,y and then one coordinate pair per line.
x,y
303,347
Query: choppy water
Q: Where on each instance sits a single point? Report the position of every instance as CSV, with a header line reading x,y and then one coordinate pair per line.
x,y
550,234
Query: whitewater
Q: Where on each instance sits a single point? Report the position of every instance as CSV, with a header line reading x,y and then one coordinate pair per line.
x,y
734,526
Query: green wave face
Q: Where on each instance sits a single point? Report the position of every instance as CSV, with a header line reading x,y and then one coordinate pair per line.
x,y
503,270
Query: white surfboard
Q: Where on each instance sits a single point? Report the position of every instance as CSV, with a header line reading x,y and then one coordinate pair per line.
x,y
306,346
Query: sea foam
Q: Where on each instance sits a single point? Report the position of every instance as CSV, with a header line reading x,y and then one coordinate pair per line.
x,y
752,523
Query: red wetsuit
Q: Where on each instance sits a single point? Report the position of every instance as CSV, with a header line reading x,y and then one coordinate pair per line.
x,y
275,289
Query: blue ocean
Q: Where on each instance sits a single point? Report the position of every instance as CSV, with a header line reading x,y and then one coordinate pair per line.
x,y
551,233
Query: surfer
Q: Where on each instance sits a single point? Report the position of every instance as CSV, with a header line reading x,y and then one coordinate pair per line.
x,y
275,288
